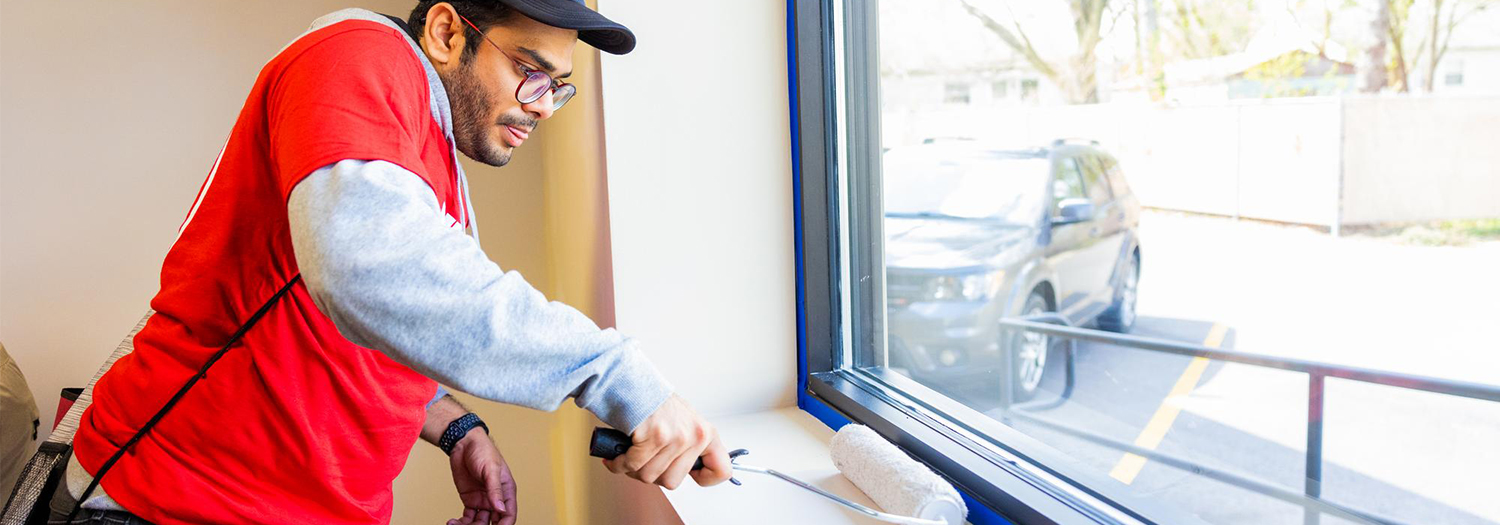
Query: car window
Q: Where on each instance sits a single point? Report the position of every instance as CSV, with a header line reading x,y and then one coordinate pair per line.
x,y
1069,182
1093,179
1116,178
957,183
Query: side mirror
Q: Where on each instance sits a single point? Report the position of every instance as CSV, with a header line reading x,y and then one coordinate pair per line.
x,y
1073,210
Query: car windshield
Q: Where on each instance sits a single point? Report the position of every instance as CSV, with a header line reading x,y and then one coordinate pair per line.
x,y
964,185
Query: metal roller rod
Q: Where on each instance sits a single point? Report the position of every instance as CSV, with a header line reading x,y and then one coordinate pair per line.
x,y
882,516
609,443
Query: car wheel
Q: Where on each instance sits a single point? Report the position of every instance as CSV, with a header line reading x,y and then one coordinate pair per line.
x,y
1120,317
1029,353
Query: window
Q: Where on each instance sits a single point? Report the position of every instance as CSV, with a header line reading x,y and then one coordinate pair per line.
x,y
1069,181
1285,363
1111,169
955,93
1455,74
1028,89
1000,89
1093,178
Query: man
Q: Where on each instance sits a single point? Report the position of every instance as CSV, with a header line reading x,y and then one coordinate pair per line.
x,y
338,208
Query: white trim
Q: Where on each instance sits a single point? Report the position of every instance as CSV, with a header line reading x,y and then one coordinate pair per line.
x,y
845,355
202,193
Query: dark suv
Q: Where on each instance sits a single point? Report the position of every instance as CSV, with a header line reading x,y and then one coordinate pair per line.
x,y
974,234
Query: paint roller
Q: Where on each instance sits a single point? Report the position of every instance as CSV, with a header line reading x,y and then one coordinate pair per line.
x,y
909,492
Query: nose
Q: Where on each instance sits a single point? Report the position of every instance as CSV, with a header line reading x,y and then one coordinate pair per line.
x,y
541,108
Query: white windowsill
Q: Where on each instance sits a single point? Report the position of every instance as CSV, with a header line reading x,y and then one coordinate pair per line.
x,y
790,441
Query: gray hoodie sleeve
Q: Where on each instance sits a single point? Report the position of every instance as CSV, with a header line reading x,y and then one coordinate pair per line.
x,y
380,258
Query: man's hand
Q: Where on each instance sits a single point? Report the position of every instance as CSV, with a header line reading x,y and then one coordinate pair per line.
x,y
665,446
481,475
483,480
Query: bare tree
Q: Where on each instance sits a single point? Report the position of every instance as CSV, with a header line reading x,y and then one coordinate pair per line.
x,y
1155,74
1443,24
1328,10
1200,36
1077,74
1393,26
1376,65
1398,15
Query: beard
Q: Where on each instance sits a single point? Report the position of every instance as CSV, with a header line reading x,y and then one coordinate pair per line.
x,y
473,131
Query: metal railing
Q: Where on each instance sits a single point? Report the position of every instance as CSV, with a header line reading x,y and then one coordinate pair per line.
x,y
1310,498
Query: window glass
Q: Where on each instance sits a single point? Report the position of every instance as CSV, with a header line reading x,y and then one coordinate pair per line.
x,y
1244,340
1094,179
1111,168
1069,181
1455,74
956,93
927,181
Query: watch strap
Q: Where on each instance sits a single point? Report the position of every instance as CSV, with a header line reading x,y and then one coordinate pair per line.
x,y
458,429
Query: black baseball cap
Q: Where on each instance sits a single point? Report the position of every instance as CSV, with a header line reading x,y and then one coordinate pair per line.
x,y
593,28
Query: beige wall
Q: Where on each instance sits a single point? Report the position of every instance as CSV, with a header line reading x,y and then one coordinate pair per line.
x,y
700,195
107,131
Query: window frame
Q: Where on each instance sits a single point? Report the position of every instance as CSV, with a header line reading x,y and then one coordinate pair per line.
x,y
1003,475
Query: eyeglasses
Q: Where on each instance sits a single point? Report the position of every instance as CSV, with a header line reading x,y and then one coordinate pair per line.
x,y
536,83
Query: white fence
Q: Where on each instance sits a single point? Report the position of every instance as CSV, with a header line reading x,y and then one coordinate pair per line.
x,y
1321,161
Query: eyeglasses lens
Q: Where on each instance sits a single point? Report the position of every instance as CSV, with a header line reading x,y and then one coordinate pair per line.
x,y
562,95
534,87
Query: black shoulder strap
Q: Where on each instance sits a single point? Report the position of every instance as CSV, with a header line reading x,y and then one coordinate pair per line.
x,y
399,22
181,392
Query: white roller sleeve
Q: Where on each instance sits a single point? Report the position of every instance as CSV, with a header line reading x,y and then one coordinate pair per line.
x,y
898,483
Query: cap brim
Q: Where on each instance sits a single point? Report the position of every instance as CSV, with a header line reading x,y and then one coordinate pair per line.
x,y
593,28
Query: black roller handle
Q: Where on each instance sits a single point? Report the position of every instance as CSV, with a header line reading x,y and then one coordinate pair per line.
x,y
609,443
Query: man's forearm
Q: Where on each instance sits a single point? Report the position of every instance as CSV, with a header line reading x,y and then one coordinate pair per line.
x,y
439,415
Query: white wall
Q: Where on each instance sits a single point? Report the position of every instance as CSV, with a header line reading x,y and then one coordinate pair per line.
x,y
700,195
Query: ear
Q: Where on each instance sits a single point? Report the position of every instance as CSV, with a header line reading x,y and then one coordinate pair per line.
x,y
443,37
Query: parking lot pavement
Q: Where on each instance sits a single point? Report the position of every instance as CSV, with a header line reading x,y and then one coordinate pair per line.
x,y
1354,301
1412,456
1357,301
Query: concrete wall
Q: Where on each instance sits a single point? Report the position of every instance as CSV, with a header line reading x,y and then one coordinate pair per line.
x,y
1421,159
1314,160
1288,165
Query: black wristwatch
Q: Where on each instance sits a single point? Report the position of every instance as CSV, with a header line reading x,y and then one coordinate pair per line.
x,y
458,429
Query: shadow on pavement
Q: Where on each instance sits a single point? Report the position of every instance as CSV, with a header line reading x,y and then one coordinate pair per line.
x,y
1118,391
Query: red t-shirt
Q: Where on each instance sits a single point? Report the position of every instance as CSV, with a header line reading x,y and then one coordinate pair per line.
x,y
295,424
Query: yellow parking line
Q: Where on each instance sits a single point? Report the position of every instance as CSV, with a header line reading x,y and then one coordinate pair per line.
x,y
1130,465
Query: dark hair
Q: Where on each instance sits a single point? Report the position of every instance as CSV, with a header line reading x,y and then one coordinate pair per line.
x,y
484,13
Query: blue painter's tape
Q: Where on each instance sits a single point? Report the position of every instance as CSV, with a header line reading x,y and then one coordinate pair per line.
x,y
792,106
